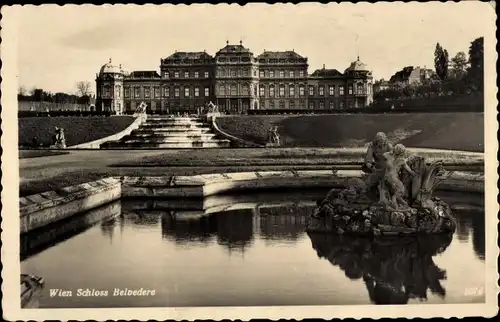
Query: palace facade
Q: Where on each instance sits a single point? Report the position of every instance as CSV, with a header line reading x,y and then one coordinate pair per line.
x,y
236,81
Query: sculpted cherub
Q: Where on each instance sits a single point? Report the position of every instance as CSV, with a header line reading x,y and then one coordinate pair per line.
x,y
375,164
394,162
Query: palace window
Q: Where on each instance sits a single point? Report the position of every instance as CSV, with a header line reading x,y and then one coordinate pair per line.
x,y
233,73
157,92
322,91
301,73
137,92
206,75
261,73
350,89
291,90
222,90
351,104
302,104
207,91
166,75
254,73
255,91
271,104
311,90
262,91
245,90
166,91
176,75
331,90
282,74
147,92
341,104
186,91
321,105
341,89
282,104
186,74
332,105
127,92
360,89
196,74
302,90
233,90
311,105
271,91
106,91
177,92
271,73
292,74
282,90
291,104
196,91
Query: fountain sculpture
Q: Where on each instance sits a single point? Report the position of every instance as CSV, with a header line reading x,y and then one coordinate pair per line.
x,y
393,197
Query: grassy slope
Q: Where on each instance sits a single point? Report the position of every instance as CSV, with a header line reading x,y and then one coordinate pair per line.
x,y
77,129
458,131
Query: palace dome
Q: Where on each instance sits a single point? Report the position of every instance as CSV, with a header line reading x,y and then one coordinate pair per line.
x,y
357,66
109,68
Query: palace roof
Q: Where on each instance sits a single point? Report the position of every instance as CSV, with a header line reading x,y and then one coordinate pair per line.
x,y
189,55
279,55
144,74
234,49
326,73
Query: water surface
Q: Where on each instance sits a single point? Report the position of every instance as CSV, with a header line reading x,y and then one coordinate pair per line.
x,y
249,251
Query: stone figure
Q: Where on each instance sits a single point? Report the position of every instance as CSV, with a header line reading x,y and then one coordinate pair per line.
x,y
401,204
395,161
212,108
59,139
273,137
375,163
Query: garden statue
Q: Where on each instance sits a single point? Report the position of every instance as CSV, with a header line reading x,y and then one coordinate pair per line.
x,y
273,138
393,197
59,140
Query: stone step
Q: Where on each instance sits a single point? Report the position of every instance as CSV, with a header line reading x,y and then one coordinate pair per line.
x,y
176,124
198,130
173,119
177,145
173,135
167,139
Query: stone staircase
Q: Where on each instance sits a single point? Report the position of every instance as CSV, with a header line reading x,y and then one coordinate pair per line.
x,y
167,132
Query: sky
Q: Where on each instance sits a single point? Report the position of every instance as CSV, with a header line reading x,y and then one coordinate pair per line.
x,y
60,45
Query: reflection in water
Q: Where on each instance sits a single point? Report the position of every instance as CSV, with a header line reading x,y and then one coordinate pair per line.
x,y
281,268
472,223
394,269
38,240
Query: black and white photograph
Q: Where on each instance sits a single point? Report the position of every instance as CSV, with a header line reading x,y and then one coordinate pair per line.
x,y
203,161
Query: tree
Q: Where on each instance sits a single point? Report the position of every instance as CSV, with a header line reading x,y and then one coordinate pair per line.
x,y
475,73
83,88
441,62
459,65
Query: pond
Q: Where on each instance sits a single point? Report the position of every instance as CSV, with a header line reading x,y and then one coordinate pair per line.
x,y
248,250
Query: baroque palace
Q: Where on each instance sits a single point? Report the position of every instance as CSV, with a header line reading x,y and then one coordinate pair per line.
x,y
236,81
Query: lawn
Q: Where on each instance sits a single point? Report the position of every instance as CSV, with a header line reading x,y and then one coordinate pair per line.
x,y
27,154
455,131
77,129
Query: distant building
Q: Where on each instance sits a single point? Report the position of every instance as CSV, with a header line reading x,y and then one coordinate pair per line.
x,y
236,81
381,85
411,76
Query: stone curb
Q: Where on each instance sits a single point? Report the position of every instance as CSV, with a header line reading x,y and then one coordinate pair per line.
x,y
42,209
47,207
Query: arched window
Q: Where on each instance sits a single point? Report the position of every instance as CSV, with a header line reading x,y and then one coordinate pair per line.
x,y
360,89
